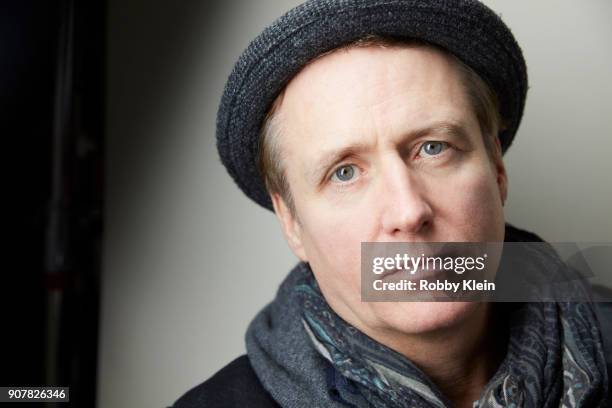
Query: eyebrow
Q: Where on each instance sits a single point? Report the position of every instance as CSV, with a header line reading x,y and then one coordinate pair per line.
x,y
329,159
452,129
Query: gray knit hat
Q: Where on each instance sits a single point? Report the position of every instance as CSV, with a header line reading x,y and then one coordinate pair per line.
x,y
466,28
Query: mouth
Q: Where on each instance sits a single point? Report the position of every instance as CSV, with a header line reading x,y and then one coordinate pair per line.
x,y
427,274
423,272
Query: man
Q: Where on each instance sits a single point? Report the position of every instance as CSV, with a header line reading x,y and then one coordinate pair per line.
x,y
385,121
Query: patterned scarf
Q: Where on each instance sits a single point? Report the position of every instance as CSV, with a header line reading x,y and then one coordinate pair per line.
x,y
304,354
554,358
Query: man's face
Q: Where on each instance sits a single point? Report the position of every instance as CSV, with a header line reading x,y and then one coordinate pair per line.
x,y
381,145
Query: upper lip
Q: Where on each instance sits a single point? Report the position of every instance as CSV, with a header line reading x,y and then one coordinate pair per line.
x,y
418,273
390,272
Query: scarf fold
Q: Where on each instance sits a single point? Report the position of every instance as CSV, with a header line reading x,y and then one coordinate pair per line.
x,y
306,355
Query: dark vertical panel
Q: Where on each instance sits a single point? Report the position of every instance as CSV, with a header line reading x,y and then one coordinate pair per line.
x,y
28,35
52,126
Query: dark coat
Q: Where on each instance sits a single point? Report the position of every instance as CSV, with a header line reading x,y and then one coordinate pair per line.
x,y
235,385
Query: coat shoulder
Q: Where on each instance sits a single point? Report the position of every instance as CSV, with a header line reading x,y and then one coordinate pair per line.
x,y
603,310
235,385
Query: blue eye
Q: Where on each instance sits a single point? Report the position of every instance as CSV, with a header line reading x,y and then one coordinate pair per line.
x,y
432,148
345,173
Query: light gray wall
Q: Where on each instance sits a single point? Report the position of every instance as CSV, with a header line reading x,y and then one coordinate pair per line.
x,y
188,260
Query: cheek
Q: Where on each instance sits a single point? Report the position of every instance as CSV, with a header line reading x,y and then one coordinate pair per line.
x,y
474,203
332,242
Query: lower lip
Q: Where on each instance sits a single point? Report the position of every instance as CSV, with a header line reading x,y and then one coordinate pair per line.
x,y
417,275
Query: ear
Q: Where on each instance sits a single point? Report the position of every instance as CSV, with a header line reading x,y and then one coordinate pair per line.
x,y
292,230
500,171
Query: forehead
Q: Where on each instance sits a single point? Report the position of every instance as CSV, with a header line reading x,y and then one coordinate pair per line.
x,y
366,64
369,95
348,82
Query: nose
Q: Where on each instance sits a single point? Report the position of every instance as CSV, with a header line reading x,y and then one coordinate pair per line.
x,y
406,210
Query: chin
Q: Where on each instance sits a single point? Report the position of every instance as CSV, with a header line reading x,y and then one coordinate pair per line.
x,y
425,317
